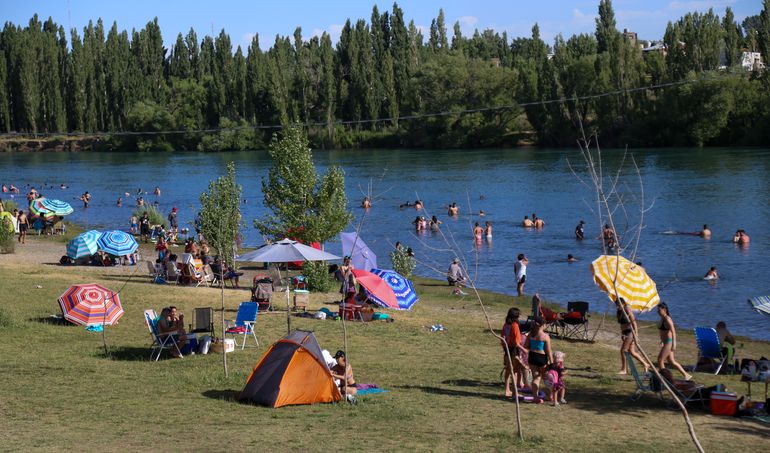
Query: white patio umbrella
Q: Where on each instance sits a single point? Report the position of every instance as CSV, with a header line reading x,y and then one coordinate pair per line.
x,y
286,251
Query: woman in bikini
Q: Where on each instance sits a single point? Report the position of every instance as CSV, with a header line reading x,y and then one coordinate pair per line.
x,y
538,343
668,341
488,230
477,232
627,322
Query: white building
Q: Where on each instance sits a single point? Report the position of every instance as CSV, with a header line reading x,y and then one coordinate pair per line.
x,y
752,61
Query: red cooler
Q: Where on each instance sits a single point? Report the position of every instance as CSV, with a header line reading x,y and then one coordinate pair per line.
x,y
724,403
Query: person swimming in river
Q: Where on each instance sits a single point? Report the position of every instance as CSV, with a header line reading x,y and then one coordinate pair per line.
x,y
711,274
488,230
453,210
417,205
434,223
366,203
608,235
405,205
741,238
537,221
527,223
571,259
477,232
705,232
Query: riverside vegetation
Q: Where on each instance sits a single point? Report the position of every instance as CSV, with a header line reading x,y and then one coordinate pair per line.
x,y
102,81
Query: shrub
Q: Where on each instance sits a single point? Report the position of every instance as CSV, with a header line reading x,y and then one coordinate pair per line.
x,y
156,217
6,320
7,235
402,262
10,205
317,275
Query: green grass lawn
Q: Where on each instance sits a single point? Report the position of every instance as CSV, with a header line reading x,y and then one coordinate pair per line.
x,y
60,392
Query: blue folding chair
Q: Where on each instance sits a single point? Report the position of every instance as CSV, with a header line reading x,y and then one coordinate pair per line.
x,y
244,323
709,346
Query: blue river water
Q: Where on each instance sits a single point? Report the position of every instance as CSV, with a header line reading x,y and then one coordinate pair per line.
x,y
683,188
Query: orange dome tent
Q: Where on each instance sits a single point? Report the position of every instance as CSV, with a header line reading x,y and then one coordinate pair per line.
x,y
292,371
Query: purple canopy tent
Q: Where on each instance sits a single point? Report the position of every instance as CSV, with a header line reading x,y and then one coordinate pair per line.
x,y
360,254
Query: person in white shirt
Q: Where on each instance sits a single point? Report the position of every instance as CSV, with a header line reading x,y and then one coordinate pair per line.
x,y
520,268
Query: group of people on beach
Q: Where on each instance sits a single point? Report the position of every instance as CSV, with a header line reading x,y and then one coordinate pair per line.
x,y
531,358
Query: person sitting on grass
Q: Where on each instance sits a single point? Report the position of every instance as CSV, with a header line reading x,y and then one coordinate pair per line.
x,y
343,373
171,323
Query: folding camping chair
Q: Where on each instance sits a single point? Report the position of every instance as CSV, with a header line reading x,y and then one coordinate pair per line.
x,y
574,323
244,323
262,291
709,346
207,275
643,383
551,318
153,271
172,274
203,321
159,342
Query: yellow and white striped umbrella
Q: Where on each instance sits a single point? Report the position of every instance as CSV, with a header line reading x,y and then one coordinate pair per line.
x,y
625,279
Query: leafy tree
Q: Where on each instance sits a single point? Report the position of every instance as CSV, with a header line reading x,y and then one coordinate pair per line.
x,y
763,31
301,205
733,38
220,217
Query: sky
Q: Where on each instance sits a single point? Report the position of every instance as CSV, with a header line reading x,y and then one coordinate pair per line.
x,y
241,19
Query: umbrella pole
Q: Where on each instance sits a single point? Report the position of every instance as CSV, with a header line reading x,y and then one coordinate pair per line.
x,y
288,311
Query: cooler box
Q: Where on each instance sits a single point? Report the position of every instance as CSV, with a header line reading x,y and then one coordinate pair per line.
x,y
301,298
227,346
724,403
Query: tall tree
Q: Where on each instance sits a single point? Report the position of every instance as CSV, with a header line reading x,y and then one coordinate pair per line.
x,y
220,224
733,38
300,204
763,32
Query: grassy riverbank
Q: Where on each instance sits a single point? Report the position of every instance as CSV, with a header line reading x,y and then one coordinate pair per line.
x,y
61,392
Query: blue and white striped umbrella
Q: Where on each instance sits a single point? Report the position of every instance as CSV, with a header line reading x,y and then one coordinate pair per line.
x,y
57,207
84,244
761,304
117,243
405,294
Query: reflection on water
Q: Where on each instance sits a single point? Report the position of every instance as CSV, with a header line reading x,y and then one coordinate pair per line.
x,y
725,188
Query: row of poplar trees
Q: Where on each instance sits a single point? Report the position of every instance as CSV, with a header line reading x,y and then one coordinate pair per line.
x,y
366,89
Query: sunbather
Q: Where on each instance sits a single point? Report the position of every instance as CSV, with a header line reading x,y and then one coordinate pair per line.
x,y
343,372
170,323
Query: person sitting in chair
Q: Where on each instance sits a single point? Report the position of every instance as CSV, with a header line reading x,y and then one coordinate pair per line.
x,y
170,323
221,270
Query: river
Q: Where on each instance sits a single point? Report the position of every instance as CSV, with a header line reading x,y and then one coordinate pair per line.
x,y
725,188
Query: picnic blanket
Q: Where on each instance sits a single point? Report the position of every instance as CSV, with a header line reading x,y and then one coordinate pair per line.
x,y
368,389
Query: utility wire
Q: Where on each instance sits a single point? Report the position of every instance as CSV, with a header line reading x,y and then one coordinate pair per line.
x,y
361,121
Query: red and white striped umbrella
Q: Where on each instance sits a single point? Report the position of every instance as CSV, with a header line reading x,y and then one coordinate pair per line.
x,y
90,305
